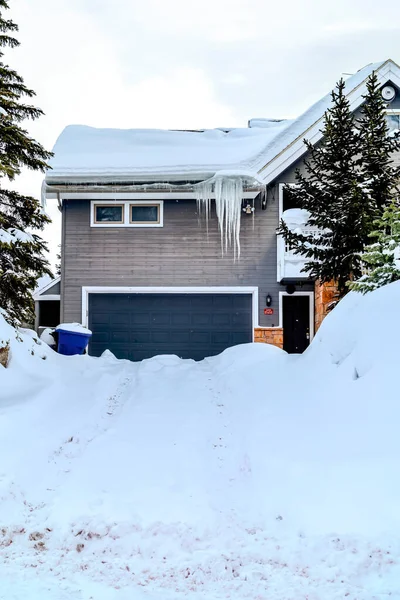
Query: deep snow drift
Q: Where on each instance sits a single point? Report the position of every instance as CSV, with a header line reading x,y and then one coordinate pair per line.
x,y
253,474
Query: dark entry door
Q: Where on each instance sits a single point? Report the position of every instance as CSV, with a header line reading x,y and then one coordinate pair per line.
x,y
296,323
138,326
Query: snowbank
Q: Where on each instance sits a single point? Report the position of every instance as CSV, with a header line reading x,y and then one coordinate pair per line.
x,y
295,217
246,474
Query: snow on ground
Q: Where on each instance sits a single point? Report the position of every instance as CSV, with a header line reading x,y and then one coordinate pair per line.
x,y
253,474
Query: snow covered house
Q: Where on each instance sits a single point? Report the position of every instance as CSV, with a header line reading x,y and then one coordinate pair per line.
x,y
169,240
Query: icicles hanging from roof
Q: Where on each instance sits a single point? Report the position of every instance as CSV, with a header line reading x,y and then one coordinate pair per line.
x,y
43,201
228,203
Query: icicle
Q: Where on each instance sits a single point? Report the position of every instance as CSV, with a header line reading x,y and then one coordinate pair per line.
x,y
43,196
203,198
228,204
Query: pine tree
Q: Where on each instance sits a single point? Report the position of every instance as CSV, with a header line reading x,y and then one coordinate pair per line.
x,y
58,265
382,258
22,254
331,191
376,148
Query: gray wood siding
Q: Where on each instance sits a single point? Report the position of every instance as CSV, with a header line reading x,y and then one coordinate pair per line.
x,y
179,254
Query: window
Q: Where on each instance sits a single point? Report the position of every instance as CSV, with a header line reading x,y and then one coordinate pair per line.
x,y
287,200
393,121
113,213
127,213
144,213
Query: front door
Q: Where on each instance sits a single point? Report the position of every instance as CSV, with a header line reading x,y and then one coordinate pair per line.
x,y
296,323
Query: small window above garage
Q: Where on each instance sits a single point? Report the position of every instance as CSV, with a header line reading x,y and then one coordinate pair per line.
x,y
104,213
140,213
145,214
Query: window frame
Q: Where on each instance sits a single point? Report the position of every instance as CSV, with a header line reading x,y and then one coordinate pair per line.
x,y
394,112
145,223
126,213
111,205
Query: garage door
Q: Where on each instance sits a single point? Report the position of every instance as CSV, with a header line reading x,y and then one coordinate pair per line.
x,y
138,326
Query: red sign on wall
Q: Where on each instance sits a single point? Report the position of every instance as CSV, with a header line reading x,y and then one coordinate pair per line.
x,y
268,311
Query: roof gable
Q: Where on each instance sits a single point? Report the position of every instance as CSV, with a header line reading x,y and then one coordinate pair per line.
x,y
287,148
100,156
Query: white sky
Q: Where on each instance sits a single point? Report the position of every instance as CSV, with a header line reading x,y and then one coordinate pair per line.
x,y
188,63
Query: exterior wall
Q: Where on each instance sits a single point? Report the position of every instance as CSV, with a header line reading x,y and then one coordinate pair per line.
x,y
182,253
269,336
325,294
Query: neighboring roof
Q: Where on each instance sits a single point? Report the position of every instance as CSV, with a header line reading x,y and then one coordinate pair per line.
x,y
45,284
261,152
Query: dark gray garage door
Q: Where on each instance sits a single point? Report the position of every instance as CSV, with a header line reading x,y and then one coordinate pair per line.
x,y
138,326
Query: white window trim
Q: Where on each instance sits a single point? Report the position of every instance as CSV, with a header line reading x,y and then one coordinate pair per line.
x,y
86,290
311,308
280,245
126,212
48,297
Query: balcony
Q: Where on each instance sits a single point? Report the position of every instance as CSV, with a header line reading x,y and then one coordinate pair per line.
x,y
290,264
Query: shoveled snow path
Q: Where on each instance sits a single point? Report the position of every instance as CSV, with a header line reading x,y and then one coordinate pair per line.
x,y
80,528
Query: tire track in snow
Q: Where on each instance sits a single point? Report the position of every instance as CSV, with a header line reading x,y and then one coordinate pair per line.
x,y
75,446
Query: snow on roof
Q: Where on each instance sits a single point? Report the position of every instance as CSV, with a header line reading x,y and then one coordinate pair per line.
x,y
87,153
42,283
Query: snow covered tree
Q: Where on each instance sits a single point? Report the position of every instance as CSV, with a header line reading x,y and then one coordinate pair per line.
x,y
376,148
58,265
331,191
22,254
349,180
381,259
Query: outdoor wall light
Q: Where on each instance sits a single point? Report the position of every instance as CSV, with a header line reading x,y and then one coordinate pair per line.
x,y
248,209
268,300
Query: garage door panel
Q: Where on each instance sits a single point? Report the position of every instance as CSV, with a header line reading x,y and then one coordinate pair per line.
x,y
120,336
239,338
180,319
201,319
240,302
139,326
180,336
161,319
200,337
140,337
160,337
201,301
99,318
222,302
119,318
221,319
221,337
239,318
100,336
140,318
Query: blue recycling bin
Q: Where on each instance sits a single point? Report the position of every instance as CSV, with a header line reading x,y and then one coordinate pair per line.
x,y
72,342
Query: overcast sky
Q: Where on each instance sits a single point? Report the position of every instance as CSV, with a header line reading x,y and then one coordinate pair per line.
x,y
188,63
